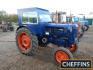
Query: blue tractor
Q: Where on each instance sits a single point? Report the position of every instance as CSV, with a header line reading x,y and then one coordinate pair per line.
x,y
37,30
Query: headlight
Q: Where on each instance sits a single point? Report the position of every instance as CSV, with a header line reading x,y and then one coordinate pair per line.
x,y
47,33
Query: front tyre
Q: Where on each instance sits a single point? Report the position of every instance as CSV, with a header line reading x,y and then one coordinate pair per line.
x,y
60,54
26,41
73,48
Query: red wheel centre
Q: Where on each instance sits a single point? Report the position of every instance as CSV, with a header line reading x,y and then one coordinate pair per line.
x,y
73,48
24,41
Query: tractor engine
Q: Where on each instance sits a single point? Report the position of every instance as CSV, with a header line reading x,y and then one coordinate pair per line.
x,y
60,36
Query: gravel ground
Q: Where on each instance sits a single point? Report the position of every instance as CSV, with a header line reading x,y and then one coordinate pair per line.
x,y
12,59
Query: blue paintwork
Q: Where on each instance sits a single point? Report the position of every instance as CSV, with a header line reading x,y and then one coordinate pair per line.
x,y
62,38
71,35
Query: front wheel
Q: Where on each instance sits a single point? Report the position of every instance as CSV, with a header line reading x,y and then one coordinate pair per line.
x,y
60,54
73,48
26,41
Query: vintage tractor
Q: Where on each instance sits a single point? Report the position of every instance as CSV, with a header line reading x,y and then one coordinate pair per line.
x,y
37,30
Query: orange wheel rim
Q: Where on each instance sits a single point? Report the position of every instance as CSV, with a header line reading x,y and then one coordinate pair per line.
x,y
24,41
61,55
73,48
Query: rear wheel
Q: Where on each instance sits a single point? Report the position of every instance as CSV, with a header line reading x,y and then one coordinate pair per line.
x,y
26,41
60,54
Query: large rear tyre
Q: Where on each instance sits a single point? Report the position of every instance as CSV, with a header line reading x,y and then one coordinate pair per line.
x,y
60,54
26,41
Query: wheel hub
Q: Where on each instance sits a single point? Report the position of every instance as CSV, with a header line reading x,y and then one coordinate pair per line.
x,y
24,41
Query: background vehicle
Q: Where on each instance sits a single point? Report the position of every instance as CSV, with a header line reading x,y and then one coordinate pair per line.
x,y
36,28
82,23
5,26
85,24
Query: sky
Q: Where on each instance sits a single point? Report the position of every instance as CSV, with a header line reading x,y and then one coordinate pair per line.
x,y
69,6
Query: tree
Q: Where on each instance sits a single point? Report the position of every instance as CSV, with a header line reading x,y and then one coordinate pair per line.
x,y
3,16
13,18
8,17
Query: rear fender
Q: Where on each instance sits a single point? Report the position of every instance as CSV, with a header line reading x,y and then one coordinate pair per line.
x,y
21,27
